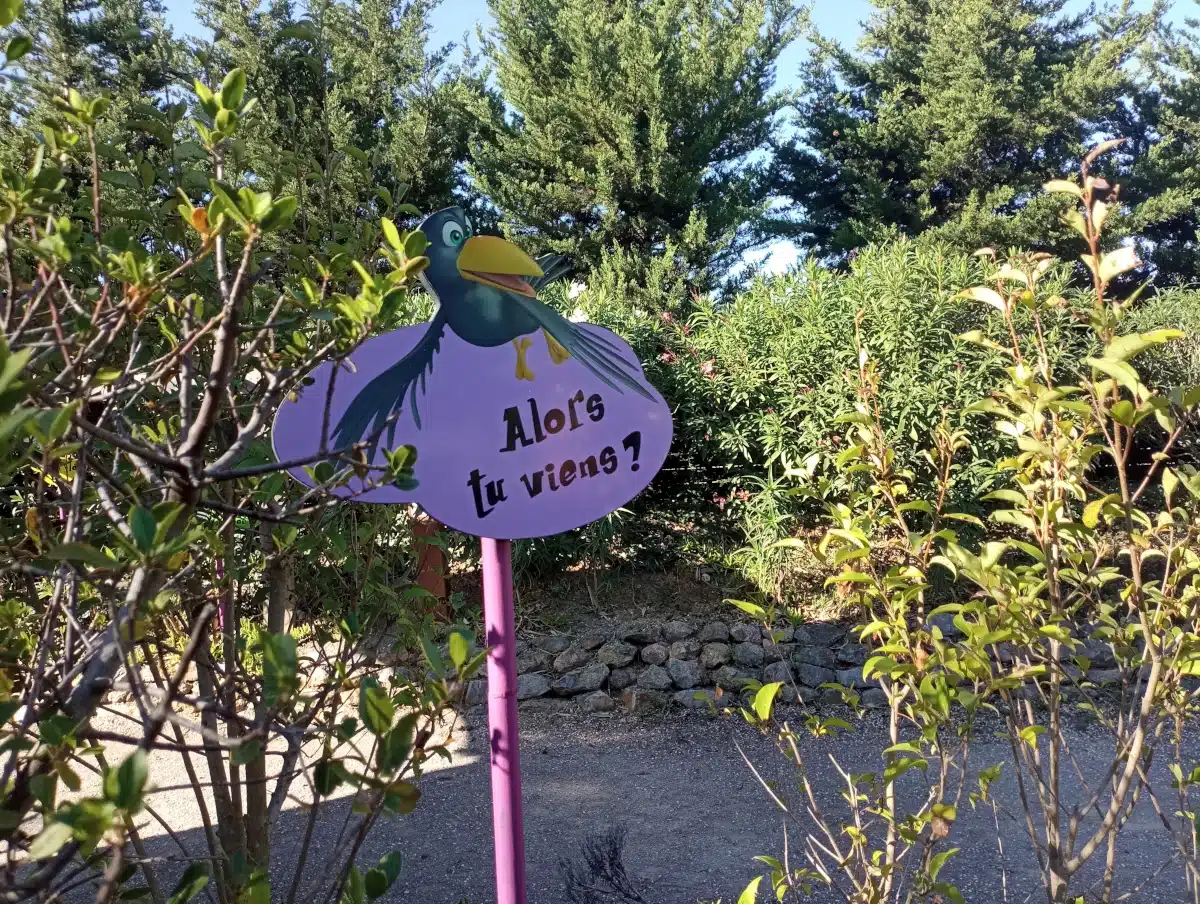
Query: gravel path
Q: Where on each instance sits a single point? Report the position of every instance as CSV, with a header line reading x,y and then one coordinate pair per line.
x,y
694,813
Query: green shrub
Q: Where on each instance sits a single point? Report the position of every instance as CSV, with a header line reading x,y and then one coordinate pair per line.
x,y
757,382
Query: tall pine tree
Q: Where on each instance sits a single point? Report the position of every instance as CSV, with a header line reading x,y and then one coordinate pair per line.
x,y
634,124
951,116
120,47
350,97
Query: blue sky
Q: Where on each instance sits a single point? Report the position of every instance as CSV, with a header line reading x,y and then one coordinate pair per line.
x,y
838,19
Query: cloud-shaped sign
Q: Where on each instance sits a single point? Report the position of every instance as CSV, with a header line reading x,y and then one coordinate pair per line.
x,y
513,440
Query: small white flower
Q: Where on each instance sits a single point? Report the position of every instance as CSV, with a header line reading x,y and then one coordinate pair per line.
x,y
578,316
577,289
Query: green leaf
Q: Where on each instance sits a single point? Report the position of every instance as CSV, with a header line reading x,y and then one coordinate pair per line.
x,y
279,667
392,234
1062,185
1125,347
396,745
1170,481
1118,261
17,47
1093,510
354,891
433,656
301,31
752,609
280,214
764,699
416,243
375,707
125,784
10,11
121,179
81,552
191,883
381,877
984,294
749,894
459,649
246,752
1029,734
53,836
326,777
232,89
938,861
144,528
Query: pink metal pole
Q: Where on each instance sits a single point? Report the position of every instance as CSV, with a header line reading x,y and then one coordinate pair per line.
x,y
508,825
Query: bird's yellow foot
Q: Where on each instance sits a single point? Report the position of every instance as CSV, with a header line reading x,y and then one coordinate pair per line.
x,y
522,346
558,354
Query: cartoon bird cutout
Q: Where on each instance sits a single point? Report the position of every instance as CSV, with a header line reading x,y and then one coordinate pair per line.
x,y
486,290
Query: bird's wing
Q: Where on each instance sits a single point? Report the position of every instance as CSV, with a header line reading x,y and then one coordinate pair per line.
x,y
598,354
554,267
383,397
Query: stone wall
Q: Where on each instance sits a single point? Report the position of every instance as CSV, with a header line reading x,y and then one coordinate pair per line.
x,y
646,663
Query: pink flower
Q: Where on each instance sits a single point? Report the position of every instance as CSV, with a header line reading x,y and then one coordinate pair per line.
x,y
720,501
667,357
666,316
708,367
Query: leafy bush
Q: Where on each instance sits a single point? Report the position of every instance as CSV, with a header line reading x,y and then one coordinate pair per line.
x,y
757,382
157,309
1070,569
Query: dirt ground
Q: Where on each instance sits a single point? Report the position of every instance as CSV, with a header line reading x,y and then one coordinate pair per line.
x,y
694,813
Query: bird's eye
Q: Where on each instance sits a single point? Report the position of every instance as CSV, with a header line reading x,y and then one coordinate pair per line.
x,y
452,234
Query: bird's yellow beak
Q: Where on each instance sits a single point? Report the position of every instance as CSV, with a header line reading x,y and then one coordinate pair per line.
x,y
492,261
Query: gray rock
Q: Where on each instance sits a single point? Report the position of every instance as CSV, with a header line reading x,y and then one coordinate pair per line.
x,y
744,633
534,661
655,678
597,702
570,659
732,679
619,679
616,653
588,678
813,675
778,671
1098,652
677,630
530,686
715,655
685,649
521,646
477,692
776,652
821,634
701,700
685,672
874,698
641,701
1104,676
828,696
748,654
854,678
546,705
641,631
815,655
944,622
807,695
591,640
853,654
785,634
655,654
713,632
553,643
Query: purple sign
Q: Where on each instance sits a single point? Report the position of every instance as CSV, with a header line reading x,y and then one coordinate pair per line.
x,y
525,425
